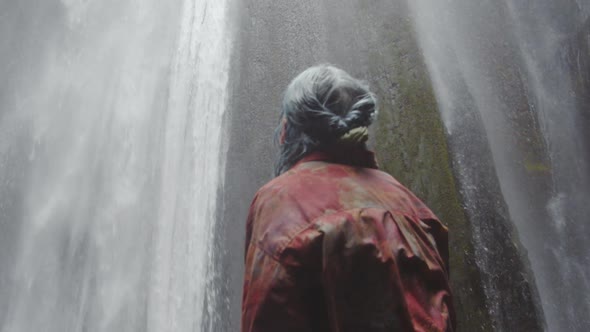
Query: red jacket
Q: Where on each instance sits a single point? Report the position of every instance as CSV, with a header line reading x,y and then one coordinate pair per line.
x,y
336,245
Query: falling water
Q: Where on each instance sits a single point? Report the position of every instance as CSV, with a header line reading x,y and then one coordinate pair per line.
x,y
110,119
519,69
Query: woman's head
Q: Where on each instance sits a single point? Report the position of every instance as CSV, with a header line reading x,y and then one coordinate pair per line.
x,y
321,105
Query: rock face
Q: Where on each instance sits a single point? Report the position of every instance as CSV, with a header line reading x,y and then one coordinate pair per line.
x,y
578,61
376,41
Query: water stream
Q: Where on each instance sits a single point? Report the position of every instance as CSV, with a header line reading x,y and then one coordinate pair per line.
x,y
515,66
110,119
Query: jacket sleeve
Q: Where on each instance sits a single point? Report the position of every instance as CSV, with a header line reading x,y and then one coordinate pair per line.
x,y
274,297
275,292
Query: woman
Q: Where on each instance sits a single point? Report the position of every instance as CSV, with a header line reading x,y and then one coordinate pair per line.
x,y
334,244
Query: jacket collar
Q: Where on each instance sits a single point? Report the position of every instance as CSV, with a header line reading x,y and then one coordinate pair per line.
x,y
353,156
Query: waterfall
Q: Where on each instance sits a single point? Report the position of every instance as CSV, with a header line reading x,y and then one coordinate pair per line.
x,y
515,70
110,162
191,172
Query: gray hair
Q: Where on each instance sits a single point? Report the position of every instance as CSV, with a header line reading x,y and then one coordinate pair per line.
x,y
319,106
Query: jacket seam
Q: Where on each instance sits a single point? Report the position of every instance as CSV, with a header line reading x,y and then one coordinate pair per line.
x,y
314,223
266,253
298,230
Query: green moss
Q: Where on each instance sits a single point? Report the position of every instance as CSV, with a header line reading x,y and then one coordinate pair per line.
x,y
534,167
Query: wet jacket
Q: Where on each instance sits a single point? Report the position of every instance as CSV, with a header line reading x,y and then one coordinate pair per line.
x,y
336,245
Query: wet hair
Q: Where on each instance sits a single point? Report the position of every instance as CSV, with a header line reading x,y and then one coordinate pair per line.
x,y
319,106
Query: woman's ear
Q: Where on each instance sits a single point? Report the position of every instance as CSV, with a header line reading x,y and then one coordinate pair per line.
x,y
283,135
